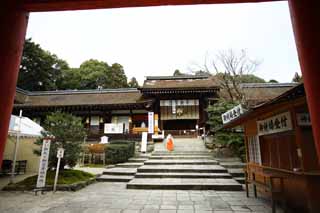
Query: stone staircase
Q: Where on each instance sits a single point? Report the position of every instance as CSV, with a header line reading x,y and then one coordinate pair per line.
x,y
234,167
180,169
183,170
123,172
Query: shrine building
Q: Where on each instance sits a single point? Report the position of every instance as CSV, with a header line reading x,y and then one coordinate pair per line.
x,y
179,104
281,150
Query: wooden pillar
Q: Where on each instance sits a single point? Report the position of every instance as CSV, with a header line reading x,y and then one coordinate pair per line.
x,y
305,16
13,25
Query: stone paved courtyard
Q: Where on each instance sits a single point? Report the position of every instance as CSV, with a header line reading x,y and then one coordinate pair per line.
x,y
114,197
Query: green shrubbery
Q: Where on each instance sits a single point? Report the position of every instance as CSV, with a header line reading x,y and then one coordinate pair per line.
x,y
68,132
222,138
119,151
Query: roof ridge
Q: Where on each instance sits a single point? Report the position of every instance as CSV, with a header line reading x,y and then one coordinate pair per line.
x,y
67,92
268,84
168,77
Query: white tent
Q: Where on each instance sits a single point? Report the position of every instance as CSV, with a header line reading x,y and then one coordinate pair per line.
x,y
29,128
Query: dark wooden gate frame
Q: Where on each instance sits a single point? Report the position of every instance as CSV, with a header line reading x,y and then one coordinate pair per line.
x,y
305,18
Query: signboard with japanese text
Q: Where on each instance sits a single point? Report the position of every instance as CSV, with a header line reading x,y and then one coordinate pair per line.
x,y
232,114
278,123
144,142
303,119
111,128
150,122
41,181
60,152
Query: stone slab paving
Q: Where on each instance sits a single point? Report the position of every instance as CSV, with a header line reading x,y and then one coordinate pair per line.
x,y
185,184
5,180
182,168
115,198
182,161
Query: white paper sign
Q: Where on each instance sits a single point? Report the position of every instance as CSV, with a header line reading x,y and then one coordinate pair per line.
x,y
278,123
111,128
303,119
144,142
60,152
104,140
150,122
232,114
41,181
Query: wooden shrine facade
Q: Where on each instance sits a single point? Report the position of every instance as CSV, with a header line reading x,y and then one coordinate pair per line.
x,y
95,107
179,102
279,142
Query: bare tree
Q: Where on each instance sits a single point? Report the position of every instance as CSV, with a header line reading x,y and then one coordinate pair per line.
x,y
229,68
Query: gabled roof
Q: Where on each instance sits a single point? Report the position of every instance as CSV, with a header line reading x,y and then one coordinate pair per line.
x,y
258,93
82,97
179,83
292,94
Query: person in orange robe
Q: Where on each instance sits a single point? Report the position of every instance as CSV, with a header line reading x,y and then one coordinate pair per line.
x,y
169,143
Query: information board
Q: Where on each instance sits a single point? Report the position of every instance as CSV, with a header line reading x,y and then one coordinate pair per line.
x,y
150,122
232,114
41,181
278,123
144,142
111,128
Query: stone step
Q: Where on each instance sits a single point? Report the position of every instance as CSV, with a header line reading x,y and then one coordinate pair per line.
x,y
120,171
157,157
185,184
181,161
138,160
182,175
236,172
114,178
233,165
234,159
160,153
130,164
142,155
240,180
182,168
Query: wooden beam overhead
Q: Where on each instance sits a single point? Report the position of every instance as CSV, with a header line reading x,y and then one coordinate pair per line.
x,y
60,5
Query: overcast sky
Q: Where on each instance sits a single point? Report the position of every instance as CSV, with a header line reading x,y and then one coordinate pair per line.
x,y
158,40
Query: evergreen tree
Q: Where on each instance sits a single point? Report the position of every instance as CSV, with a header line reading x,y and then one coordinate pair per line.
x,y
297,78
39,69
69,132
133,83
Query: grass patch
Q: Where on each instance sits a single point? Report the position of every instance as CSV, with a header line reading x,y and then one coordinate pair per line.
x,y
65,177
